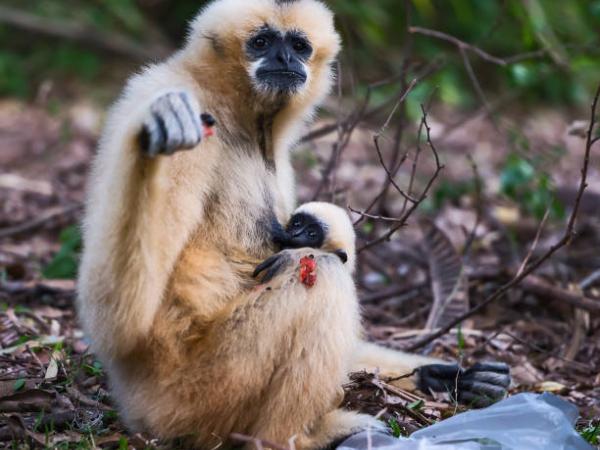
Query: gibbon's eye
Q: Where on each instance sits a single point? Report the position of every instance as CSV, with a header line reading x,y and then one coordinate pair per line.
x,y
297,222
260,43
313,231
301,46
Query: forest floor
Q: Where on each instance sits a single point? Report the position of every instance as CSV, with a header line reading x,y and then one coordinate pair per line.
x,y
54,394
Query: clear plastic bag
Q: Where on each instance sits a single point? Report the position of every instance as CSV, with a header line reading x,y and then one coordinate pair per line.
x,y
522,422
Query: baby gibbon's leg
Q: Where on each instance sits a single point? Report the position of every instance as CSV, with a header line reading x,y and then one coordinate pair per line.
x,y
480,385
301,339
141,209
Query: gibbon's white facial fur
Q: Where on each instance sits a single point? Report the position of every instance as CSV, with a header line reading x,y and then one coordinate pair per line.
x,y
338,229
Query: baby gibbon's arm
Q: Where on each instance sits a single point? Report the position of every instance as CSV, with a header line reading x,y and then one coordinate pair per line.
x,y
142,205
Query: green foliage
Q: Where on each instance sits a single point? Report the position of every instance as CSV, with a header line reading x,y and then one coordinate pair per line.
x,y
374,36
591,434
13,80
460,340
451,191
65,262
395,427
94,369
19,384
416,405
532,190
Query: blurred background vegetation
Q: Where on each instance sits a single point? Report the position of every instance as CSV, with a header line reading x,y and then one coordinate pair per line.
x,y
89,44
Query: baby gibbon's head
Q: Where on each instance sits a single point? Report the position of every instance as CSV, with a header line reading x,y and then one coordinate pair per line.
x,y
284,48
325,226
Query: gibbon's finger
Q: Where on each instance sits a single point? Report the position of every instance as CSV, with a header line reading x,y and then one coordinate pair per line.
x,y
498,379
438,377
271,266
498,367
173,124
153,135
476,400
265,265
275,269
191,129
486,389
342,255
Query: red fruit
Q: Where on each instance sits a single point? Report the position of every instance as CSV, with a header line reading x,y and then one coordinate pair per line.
x,y
308,271
207,131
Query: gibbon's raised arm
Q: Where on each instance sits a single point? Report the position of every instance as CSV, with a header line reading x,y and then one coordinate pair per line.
x,y
139,212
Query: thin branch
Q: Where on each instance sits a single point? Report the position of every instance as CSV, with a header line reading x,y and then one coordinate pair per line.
x,y
533,246
472,48
379,217
568,235
403,219
478,208
38,222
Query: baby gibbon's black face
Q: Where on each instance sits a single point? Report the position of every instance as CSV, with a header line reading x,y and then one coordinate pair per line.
x,y
279,59
303,230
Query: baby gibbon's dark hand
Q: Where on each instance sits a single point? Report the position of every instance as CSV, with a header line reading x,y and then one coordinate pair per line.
x,y
479,386
173,123
272,266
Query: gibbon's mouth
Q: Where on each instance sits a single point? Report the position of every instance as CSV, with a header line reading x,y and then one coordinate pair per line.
x,y
286,74
281,80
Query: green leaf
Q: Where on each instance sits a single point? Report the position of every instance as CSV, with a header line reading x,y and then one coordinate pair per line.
x,y
94,369
123,443
591,434
416,405
19,384
460,339
65,262
395,427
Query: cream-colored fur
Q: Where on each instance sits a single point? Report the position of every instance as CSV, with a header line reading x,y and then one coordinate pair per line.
x,y
193,346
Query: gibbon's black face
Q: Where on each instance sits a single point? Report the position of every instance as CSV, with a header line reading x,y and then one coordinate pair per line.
x,y
278,59
303,230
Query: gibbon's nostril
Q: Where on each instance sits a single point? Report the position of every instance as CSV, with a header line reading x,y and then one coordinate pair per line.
x,y
283,56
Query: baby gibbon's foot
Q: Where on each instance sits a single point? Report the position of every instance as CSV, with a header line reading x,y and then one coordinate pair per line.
x,y
173,123
479,386
272,266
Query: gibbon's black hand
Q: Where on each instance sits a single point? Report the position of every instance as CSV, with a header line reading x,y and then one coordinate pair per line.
x,y
272,266
173,124
479,386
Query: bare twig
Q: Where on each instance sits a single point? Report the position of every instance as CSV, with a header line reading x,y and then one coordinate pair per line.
x,y
40,221
568,235
472,48
406,215
478,208
539,287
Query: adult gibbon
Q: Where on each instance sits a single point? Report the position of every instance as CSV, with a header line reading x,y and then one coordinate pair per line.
x,y
194,346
